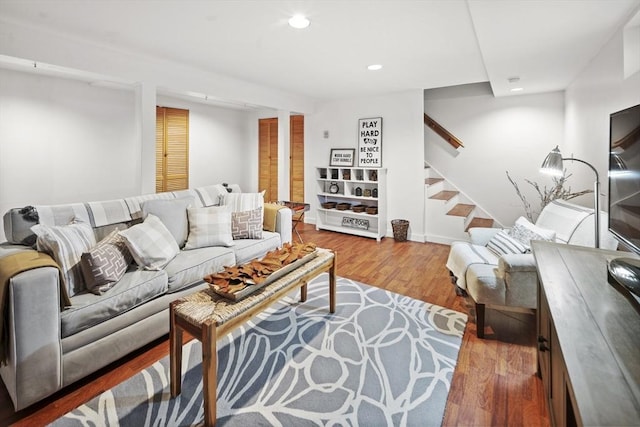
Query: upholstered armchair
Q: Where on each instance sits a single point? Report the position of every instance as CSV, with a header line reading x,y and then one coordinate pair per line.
x,y
496,269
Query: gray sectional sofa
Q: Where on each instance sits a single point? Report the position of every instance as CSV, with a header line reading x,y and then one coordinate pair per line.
x,y
49,347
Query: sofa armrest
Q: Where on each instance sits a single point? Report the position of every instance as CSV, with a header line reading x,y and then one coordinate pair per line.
x,y
520,276
34,353
512,263
284,223
482,235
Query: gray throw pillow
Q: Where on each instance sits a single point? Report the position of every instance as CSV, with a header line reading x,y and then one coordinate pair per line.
x,y
173,214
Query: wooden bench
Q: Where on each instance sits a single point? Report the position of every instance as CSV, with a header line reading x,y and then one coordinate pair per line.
x,y
208,316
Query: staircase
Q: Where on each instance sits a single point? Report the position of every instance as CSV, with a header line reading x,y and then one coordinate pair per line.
x,y
448,212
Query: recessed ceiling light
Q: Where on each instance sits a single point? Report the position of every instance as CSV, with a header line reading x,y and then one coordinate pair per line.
x,y
517,89
374,67
299,22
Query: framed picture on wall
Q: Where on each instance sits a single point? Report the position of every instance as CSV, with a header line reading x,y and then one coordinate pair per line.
x,y
370,142
342,157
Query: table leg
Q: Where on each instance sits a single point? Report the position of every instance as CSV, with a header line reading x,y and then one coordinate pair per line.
x,y
303,292
175,353
209,373
295,225
332,284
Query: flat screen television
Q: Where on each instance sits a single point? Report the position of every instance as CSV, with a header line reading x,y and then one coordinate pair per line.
x,y
624,197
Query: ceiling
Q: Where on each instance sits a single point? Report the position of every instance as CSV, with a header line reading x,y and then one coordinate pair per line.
x,y
421,44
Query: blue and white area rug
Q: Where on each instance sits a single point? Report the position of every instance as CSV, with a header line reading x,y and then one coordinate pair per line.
x,y
382,359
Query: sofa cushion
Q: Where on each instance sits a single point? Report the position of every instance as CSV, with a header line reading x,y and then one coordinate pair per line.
x,y
210,226
501,243
173,214
105,263
65,244
210,194
247,224
191,266
150,243
249,249
135,288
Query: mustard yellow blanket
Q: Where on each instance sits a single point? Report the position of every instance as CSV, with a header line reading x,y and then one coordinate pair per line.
x,y
10,266
270,215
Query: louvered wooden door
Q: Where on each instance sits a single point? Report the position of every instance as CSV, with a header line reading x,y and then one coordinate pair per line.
x,y
296,166
268,158
172,149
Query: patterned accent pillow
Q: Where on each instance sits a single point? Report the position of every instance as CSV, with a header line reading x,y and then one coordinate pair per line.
x,y
247,224
65,244
523,231
210,226
150,243
105,264
502,244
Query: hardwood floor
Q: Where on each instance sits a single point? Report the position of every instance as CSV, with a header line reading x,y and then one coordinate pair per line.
x,y
495,381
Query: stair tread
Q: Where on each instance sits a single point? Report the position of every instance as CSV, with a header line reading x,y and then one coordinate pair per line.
x,y
461,209
480,222
431,181
444,195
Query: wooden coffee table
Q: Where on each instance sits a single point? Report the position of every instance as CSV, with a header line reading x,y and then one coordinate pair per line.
x,y
208,316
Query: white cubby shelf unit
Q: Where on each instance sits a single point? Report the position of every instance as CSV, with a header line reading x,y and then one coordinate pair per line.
x,y
361,188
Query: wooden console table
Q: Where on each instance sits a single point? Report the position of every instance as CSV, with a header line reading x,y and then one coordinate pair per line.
x,y
588,338
208,316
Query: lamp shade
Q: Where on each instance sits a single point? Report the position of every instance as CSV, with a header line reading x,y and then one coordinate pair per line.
x,y
552,164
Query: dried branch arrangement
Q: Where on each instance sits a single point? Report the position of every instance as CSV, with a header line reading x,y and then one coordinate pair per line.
x,y
547,195
234,279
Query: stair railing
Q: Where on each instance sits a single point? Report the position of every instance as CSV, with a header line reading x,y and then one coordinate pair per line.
x,y
442,132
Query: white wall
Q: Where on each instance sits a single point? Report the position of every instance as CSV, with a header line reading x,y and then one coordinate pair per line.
x,y
64,141
402,149
599,90
511,134
221,144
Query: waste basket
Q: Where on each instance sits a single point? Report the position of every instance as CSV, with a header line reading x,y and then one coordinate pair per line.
x,y
400,227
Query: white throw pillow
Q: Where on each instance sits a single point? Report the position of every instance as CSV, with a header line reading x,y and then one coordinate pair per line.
x,y
524,231
151,243
502,244
210,226
65,244
241,202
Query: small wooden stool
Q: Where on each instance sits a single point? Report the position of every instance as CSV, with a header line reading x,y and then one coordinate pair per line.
x,y
207,316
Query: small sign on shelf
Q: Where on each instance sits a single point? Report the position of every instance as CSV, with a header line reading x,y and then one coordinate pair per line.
x,y
362,224
342,157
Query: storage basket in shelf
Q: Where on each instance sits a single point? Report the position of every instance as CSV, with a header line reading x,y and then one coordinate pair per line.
x,y
343,206
328,205
371,210
400,228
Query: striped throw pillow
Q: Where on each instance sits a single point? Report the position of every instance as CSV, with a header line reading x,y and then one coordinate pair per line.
x,y
65,244
150,243
502,244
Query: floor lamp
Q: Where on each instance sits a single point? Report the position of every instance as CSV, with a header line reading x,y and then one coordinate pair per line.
x,y
552,165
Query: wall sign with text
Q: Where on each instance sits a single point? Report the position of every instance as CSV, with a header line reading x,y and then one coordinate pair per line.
x,y
370,142
341,157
